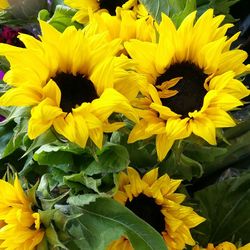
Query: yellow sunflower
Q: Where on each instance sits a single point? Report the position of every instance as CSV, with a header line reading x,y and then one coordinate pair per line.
x,y
124,25
154,200
72,81
191,81
85,6
4,4
223,246
19,225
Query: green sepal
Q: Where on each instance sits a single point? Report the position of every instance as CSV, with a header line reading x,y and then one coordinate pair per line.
x,y
31,193
43,245
53,238
49,203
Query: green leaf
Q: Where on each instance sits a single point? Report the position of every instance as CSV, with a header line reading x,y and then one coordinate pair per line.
x,y
178,17
106,220
156,7
61,18
45,138
15,112
139,152
83,199
219,6
181,167
82,183
4,64
111,159
81,178
177,10
17,139
226,206
43,15
204,153
6,133
52,156
236,151
49,203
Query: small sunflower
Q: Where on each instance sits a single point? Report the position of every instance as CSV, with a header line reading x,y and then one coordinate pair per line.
x,y
84,6
223,246
4,4
152,198
19,225
124,25
191,81
72,81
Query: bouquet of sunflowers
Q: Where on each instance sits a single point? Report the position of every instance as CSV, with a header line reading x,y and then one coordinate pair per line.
x,y
124,125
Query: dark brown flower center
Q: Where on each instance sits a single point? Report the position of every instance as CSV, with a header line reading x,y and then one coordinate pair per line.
x,y
111,5
190,88
74,90
146,208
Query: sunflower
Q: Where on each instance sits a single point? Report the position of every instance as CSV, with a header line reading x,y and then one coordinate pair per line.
x,y
223,246
72,81
4,4
191,81
154,200
19,225
124,25
84,6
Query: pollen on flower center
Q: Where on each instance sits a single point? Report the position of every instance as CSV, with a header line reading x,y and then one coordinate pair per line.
x,y
74,90
190,88
111,5
146,208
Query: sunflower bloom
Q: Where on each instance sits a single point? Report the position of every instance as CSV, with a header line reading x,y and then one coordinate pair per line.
x,y
85,6
191,81
72,81
123,25
154,200
223,246
4,4
19,225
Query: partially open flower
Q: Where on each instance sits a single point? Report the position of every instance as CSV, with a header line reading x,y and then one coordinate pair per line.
x,y
154,200
124,25
19,224
84,6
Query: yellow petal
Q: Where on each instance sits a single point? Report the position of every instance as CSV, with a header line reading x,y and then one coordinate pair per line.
x,y
52,91
163,145
42,117
205,128
151,176
21,97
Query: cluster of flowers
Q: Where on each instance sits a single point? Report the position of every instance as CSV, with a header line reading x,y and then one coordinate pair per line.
x,y
121,68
